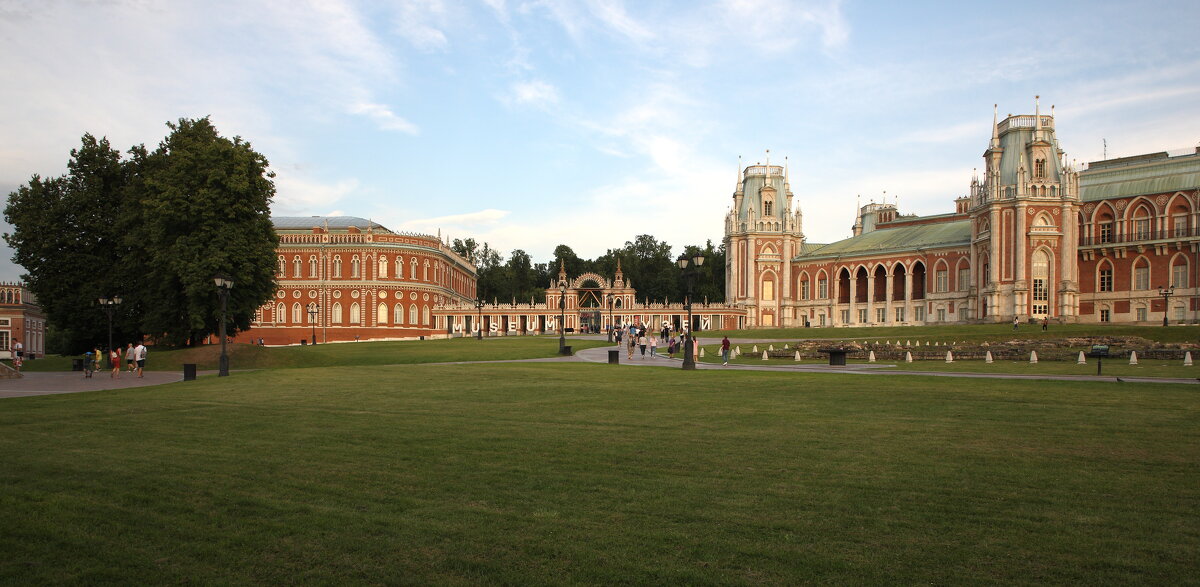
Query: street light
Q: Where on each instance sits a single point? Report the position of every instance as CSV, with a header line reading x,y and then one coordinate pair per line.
x,y
608,299
224,284
1166,293
313,309
689,277
109,305
562,318
479,324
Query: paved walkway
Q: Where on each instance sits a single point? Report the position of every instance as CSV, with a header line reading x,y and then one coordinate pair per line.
x,y
35,383
40,383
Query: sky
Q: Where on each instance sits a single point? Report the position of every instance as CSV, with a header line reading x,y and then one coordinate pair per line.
x,y
529,124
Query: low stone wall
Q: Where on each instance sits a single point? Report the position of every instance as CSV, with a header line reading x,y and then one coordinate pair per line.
x,y
1048,349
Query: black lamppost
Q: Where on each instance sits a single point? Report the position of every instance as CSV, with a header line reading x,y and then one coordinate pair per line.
x,y
313,309
690,273
1166,293
479,324
224,284
608,299
109,305
562,318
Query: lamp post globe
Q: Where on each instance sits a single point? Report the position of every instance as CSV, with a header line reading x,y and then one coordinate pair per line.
x,y
1166,293
224,284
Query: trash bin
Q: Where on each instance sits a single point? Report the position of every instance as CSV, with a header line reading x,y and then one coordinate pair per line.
x,y
77,364
189,371
614,357
566,351
304,342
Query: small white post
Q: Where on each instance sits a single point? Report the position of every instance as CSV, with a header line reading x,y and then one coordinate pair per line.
x,y
771,348
797,356
756,348
1132,357
988,357
1187,359
701,352
907,357
1033,357
1082,359
871,357
949,357
764,355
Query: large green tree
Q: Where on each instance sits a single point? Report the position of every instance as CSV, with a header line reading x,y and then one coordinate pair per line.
x,y
66,236
154,229
201,208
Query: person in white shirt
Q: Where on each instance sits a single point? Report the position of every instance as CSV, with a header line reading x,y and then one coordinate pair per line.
x,y
140,353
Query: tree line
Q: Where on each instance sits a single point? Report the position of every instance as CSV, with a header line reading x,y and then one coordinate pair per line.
x,y
152,227
646,262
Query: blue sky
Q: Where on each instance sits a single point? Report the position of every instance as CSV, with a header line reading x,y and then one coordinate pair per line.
x,y
530,124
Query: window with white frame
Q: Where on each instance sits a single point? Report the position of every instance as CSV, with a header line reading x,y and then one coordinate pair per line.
x,y
337,266
1141,314
1141,228
336,317
845,316
1180,314
919,313
296,266
941,281
804,289
1041,283
412,314
1141,277
354,270
355,313
1106,279
1179,224
899,314
862,315
941,314
383,266
1179,275
312,266
964,278
297,311
1105,315
822,288
881,314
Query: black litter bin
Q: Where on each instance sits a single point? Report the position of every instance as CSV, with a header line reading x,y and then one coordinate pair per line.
x,y
566,351
189,371
614,357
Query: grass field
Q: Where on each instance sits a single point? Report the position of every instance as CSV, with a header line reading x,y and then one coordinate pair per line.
x,y
578,473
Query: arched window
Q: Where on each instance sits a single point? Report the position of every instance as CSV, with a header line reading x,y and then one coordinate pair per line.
x,y
412,266
1179,220
412,314
281,313
1141,273
941,277
337,313
337,265
1041,283
383,266
425,274
399,267
355,314
312,266
1039,169
296,267
297,312
354,267
768,208
1142,219
1179,271
768,288
282,267
381,314
425,315
398,314
1104,276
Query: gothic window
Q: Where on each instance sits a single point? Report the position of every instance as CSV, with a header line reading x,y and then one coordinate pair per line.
x,y
355,314
398,314
337,266
381,314
768,290
412,314
412,270
1041,283
296,266
941,281
1106,231
281,313
1179,223
1141,274
804,289
399,267
1039,169
1141,228
282,267
425,315
383,266
964,278
1179,274
1105,279
337,312
768,208
296,313
425,274
354,265
822,288
312,266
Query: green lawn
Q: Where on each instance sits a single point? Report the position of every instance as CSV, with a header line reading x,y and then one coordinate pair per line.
x,y
972,333
580,473
248,356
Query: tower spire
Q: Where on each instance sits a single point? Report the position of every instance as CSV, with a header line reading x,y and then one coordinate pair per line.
x,y
995,126
1037,118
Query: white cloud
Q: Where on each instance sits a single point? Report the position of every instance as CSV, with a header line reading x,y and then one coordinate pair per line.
x,y
421,23
534,93
298,196
384,117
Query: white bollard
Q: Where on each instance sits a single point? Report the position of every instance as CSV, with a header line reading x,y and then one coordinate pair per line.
x,y
756,348
785,346
1082,359
1132,357
871,357
949,357
701,352
1032,357
771,348
1187,359
738,349
907,357
797,356
764,355
988,357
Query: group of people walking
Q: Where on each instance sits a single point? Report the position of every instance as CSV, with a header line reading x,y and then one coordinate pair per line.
x,y
135,360
637,337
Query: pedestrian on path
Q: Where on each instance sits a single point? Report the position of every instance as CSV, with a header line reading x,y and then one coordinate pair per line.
x,y
725,350
631,343
1016,322
1045,323
114,357
139,352
653,345
130,358
642,343
671,348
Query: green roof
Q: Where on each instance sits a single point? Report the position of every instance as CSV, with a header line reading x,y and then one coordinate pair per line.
x,y
888,240
1135,176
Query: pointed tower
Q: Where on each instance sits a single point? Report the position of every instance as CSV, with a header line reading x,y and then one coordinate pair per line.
x,y
1023,214
762,235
